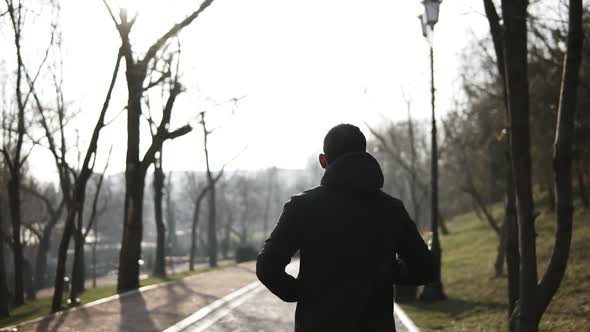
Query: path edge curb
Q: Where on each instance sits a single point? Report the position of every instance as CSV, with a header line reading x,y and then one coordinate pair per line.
x,y
403,317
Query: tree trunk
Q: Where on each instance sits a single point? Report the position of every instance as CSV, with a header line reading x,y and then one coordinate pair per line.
x,y
227,237
130,254
193,252
583,191
562,160
79,267
41,259
510,217
160,263
172,241
515,50
4,296
28,282
17,248
212,230
95,231
511,228
195,224
211,227
550,196
501,251
60,272
533,300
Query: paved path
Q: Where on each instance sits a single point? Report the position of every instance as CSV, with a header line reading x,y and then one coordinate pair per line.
x,y
166,306
262,312
257,311
154,309
111,278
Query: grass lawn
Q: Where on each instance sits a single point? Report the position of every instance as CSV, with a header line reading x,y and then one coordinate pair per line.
x,y
478,302
41,307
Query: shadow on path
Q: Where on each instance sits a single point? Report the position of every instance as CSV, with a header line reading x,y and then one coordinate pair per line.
x,y
134,314
57,320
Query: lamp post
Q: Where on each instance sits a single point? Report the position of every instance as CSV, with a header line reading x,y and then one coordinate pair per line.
x,y
433,291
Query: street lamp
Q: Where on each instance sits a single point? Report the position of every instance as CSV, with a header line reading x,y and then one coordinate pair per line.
x,y
433,291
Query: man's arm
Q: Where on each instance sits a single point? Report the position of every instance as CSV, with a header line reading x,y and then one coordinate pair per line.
x,y
416,265
276,255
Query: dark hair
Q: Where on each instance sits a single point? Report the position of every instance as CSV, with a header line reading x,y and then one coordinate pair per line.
x,y
343,139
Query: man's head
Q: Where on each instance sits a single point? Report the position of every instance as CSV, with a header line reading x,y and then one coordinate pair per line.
x,y
340,140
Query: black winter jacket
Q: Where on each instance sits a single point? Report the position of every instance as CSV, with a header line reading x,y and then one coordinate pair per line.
x,y
348,232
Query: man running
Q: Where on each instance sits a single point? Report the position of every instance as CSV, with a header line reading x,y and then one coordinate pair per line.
x,y
349,233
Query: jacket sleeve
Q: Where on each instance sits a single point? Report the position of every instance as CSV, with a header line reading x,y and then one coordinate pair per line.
x,y
415,264
276,254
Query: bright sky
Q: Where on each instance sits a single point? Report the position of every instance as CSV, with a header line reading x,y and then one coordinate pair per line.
x,y
303,66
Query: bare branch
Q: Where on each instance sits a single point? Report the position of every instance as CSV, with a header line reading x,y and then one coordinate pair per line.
x,y
95,212
111,14
151,53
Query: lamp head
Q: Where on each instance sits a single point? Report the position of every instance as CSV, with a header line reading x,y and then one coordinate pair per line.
x,y
431,10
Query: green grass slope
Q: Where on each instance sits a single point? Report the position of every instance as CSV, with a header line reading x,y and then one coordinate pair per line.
x,y
478,302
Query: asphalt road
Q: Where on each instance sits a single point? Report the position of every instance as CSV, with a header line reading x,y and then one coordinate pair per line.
x,y
258,311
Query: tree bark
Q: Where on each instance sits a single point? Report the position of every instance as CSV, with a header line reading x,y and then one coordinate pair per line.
x,y
510,218
172,241
137,70
534,299
130,254
501,251
582,190
17,248
4,296
79,267
41,258
212,228
60,271
515,51
227,237
563,159
550,196
74,200
160,263
511,228
195,224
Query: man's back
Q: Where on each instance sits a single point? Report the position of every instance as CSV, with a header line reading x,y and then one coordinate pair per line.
x,y
348,232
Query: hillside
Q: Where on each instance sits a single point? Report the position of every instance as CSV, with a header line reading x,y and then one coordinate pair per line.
x,y
478,302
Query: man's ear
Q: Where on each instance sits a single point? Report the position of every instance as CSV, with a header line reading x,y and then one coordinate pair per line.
x,y
323,161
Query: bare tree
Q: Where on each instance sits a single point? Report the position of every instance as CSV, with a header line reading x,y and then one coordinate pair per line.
x,y
211,227
4,296
465,150
160,262
172,241
95,215
199,192
136,167
534,298
54,211
509,225
73,183
13,153
390,146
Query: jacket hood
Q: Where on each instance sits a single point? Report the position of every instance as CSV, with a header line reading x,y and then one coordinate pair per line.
x,y
357,171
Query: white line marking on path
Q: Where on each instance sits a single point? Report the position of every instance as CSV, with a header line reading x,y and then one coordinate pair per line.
x,y
397,310
208,315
